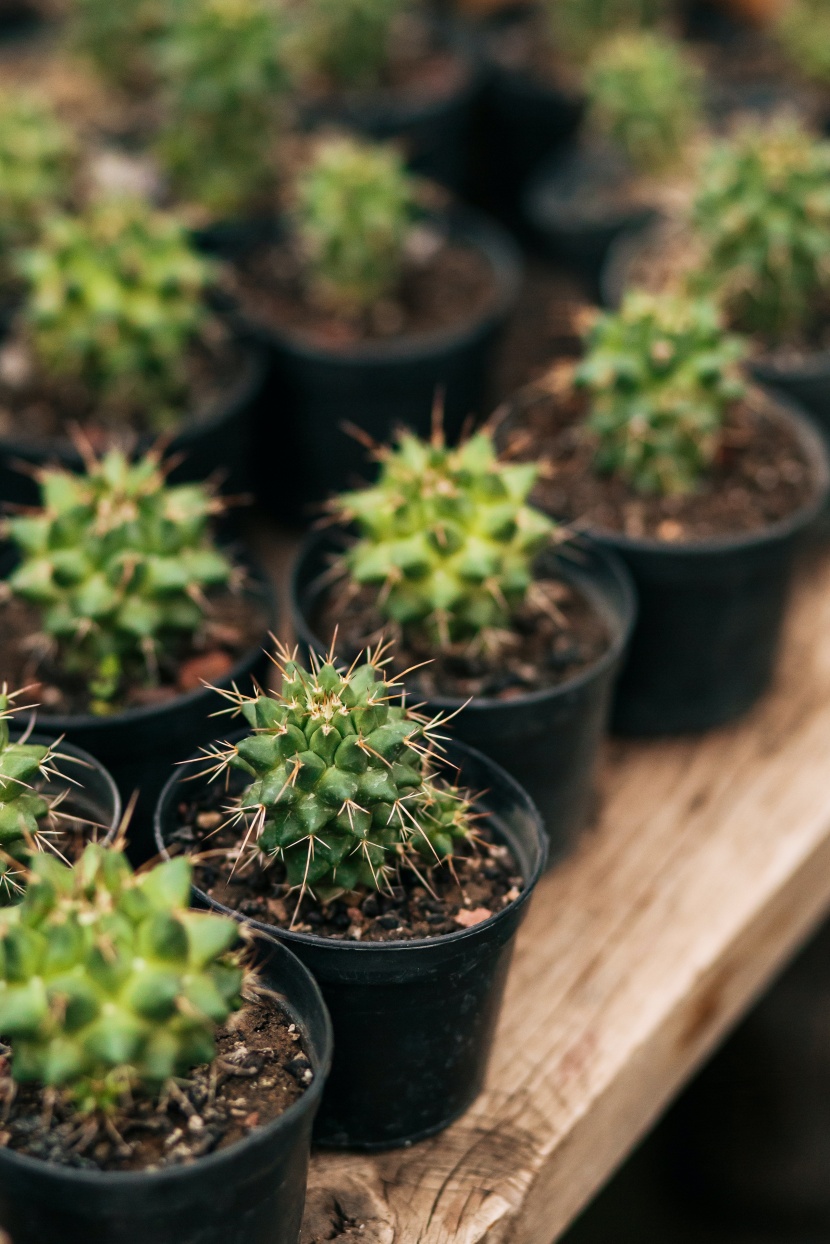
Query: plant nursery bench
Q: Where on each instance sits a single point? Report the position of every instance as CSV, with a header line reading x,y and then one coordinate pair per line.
x,y
709,865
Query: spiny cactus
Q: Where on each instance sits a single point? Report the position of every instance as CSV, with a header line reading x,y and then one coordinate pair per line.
x,y
116,297
118,562
26,815
37,157
578,26
343,788
355,205
223,85
446,535
108,984
661,375
120,38
763,215
803,30
644,95
346,42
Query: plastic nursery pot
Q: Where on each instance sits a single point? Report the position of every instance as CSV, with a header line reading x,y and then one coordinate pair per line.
x,y
253,1192
548,740
377,385
413,1021
89,791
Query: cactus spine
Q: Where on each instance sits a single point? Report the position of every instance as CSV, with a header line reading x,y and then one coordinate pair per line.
x,y
23,809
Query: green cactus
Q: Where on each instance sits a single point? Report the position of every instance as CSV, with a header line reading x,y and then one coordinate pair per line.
x,y
343,788
355,205
118,562
222,65
661,375
644,95
26,814
803,31
37,160
120,38
762,212
577,27
108,984
115,300
346,42
446,535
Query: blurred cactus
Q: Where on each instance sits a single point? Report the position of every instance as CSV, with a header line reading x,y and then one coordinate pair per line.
x,y
118,562
803,31
346,42
661,375
26,815
578,26
37,158
120,38
108,984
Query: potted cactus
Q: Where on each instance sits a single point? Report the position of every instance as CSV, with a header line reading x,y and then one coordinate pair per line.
x,y
338,828
115,332
369,304
445,556
117,603
704,485
135,1029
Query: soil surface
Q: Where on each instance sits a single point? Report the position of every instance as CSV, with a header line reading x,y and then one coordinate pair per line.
x,y
761,477
261,1069
483,879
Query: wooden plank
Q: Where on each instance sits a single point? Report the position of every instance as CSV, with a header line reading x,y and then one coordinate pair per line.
x,y
710,864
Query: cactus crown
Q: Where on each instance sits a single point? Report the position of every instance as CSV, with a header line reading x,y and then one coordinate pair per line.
x,y
347,41
223,77
763,214
803,30
36,164
578,26
107,982
645,95
116,297
447,536
26,814
661,375
343,789
354,209
118,562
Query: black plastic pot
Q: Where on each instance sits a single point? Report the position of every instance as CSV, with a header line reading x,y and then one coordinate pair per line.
x,y
88,789
806,382
549,740
413,1021
250,1193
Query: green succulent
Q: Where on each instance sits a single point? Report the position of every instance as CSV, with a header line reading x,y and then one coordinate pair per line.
x,y
645,95
108,984
116,297
37,160
577,27
446,536
346,42
120,39
23,809
803,31
343,789
762,212
661,375
118,562
222,65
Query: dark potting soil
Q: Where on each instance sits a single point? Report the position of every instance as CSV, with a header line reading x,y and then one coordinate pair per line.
x,y
761,477
234,625
261,1068
483,879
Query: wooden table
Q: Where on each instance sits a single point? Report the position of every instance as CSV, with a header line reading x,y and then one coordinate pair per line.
x,y
710,865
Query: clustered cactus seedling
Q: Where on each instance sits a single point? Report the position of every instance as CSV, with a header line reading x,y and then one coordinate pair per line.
x,y
108,984
645,96
661,376
803,30
763,215
23,810
578,26
37,157
120,38
355,205
446,535
118,562
343,790
116,298
347,41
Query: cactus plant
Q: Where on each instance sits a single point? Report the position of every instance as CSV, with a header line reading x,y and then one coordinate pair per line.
x,y
762,212
577,27
115,300
661,375
446,535
26,815
644,95
120,38
346,42
343,788
223,83
803,31
118,561
354,209
36,165
108,984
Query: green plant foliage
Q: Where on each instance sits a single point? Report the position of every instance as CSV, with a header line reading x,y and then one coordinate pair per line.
x,y
355,205
118,562
343,788
222,64
763,215
803,30
108,984
346,42
116,298
23,810
37,160
446,535
120,38
577,27
661,375
644,95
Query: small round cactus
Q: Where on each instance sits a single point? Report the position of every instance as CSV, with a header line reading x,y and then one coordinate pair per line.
x,y
108,984
446,536
26,815
343,790
661,375
37,160
118,562
346,42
